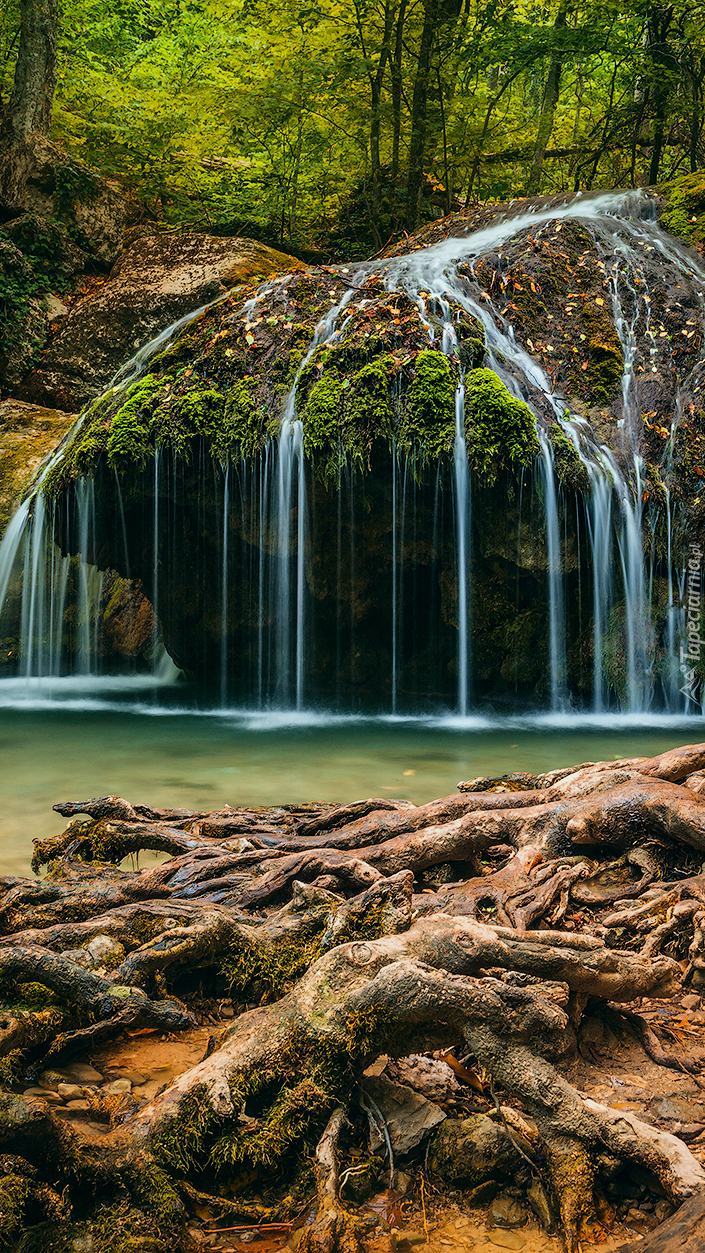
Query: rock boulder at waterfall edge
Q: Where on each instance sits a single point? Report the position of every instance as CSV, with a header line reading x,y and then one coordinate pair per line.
x,y
155,281
28,433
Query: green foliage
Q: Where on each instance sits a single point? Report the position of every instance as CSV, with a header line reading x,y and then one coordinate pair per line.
x,y
500,430
42,267
294,124
17,286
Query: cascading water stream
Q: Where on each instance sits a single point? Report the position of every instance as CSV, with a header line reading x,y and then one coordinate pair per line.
x,y
438,279
462,505
30,558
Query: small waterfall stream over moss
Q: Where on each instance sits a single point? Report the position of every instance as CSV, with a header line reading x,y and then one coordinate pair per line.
x,y
428,481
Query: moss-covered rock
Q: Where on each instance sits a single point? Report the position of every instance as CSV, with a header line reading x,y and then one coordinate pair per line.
x,y
570,470
605,365
683,212
430,405
28,434
500,430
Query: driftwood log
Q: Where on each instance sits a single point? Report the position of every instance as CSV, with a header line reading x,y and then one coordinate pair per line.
x,y
487,921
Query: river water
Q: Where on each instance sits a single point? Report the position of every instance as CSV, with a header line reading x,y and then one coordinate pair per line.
x,y
78,738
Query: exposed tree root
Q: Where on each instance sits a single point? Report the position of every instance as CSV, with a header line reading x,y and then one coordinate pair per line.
x,y
486,920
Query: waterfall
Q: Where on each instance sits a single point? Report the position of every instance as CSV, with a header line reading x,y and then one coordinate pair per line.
x,y
31,560
268,531
290,592
224,593
462,505
556,616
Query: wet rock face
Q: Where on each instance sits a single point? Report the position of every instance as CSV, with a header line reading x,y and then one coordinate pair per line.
x,y
28,434
155,281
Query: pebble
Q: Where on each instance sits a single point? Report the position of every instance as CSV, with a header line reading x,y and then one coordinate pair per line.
x,y
103,947
117,1087
70,1092
80,1104
83,1072
227,1012
44,1094
51,1079
507,1239
691,1001
506,1212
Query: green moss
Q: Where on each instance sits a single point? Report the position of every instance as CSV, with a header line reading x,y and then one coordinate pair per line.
x,y
297,1116
246,427
179,1143
500,430
684,211
430,403
255,971
129,430
571,471
15,1195
322,414
117,1228
605,355
369,408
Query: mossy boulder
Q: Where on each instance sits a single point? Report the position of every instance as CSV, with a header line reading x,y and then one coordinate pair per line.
x,y
683,211
468,1152
500,429
155,281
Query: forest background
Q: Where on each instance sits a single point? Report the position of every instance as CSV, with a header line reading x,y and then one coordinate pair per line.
x,y
328,126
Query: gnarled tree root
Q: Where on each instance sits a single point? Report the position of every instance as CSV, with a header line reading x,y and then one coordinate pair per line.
x,y
542,888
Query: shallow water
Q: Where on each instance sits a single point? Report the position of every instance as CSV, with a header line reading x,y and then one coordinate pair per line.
x,y
83,738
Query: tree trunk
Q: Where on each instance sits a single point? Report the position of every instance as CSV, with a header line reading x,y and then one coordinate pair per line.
x,y
658,25
395,71
31,102
419,110
550,100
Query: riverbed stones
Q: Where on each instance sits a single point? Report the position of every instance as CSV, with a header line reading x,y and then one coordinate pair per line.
x,y
467,1152
83,1072
43,1094
118,1087
506,1212
507,1239
434,1079
104,949
409,1117
70,1092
